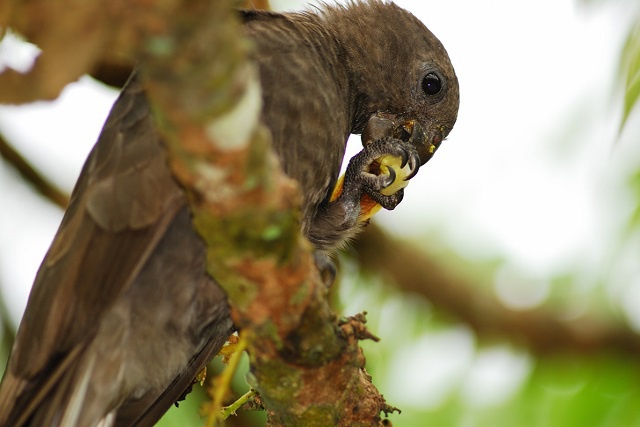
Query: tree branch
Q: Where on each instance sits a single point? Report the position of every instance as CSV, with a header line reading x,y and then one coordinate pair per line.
x,y
542,330
32,176
307,368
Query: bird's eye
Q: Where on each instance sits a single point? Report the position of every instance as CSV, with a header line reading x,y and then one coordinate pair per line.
x,y
431,84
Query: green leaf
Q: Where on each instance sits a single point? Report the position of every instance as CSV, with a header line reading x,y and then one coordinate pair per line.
x,y
630,68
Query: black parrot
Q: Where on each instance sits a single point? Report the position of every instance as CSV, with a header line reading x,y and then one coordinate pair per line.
x,y
122,315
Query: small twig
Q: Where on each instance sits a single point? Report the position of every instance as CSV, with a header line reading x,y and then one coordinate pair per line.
x,y
32,176
222,383
231,409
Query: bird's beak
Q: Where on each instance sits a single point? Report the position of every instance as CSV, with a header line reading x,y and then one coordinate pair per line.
x,y
426,143
423,137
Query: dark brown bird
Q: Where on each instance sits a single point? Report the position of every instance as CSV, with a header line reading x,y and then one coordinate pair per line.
x,y
122,315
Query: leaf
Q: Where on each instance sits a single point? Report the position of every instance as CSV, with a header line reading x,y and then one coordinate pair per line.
x,y
630,67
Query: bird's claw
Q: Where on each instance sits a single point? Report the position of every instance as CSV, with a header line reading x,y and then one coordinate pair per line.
x,y
404,158
403,163
382,168
386,179
414,165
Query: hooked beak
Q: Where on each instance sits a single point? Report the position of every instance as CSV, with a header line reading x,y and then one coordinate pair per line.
x,y
425,140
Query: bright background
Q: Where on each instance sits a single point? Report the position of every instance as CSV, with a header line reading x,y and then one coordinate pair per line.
x,y
534,181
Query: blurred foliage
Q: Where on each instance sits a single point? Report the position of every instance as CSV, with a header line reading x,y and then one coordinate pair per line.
x,y
630,74
564,389
630,69
634,185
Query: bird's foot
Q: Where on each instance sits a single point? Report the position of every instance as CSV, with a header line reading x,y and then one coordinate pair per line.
x,y
382,170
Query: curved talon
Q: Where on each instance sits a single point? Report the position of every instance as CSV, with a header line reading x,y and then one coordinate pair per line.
x,y
413,173
405,158
392,175
414,165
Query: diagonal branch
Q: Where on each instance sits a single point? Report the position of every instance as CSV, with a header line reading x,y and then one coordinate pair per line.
x,y
307,367
542,330
32,176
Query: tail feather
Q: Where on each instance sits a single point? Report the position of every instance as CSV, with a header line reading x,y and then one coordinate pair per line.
x,y
73,408
56,400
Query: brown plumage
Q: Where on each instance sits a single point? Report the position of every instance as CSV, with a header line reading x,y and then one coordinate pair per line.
x,y
325,73
122,315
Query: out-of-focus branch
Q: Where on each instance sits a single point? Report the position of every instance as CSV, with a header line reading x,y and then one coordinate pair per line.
x,y
115,73
112,73
247,212
71,47
32,176
72,36
7,332
542,330
75,38
255,4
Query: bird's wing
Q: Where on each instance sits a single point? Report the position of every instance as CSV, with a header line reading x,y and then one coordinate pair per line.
x,y
308,116
120,208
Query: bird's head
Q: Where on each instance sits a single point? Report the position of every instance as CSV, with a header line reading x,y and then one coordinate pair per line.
x,y
401,79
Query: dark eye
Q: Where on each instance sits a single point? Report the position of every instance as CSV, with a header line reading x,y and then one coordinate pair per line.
x,y
431,84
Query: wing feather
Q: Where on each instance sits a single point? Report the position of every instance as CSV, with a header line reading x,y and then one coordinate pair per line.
x,y
99,249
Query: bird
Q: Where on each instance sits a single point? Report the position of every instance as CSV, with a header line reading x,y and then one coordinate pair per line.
x,y
122,314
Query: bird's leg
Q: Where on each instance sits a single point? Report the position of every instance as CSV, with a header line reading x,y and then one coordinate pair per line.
x,y
375,177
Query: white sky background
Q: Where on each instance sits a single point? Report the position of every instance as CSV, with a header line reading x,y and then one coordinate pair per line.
x,y
531,157
531,172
